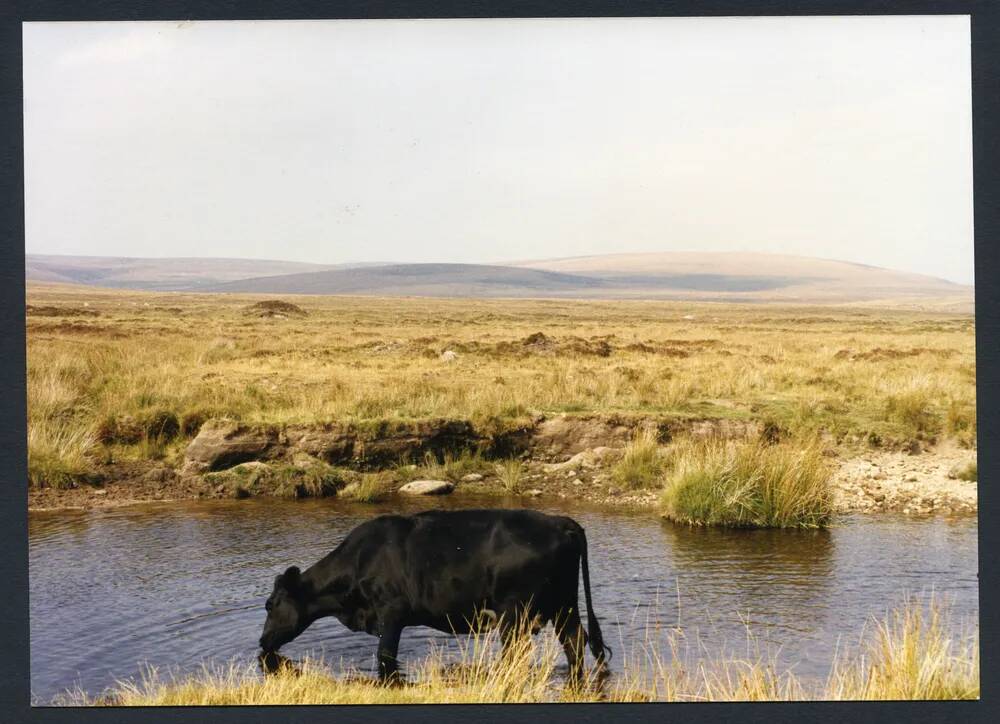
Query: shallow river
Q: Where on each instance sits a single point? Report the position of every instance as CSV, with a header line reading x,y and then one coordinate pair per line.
x,y
175,584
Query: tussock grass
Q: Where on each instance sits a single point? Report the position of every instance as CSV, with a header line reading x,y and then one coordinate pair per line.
x,y
960,422
451,467
969,472
748,484
642,464
913,408
365,359
510,473
57,455
155,423
909,655
370,488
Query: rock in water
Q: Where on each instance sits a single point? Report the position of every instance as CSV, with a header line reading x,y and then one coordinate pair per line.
x,y
427,487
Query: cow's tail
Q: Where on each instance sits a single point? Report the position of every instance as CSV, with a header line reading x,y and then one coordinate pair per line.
x,y
601,652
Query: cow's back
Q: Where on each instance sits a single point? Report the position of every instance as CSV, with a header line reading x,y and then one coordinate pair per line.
x,y
459,562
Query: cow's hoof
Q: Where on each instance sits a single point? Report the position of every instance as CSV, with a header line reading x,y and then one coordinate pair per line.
x,y
394,680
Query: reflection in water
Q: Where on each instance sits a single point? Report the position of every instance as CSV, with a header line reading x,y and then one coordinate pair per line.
x,y
174,584
759,567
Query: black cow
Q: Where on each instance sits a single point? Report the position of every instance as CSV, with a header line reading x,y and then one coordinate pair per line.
x,y
445,570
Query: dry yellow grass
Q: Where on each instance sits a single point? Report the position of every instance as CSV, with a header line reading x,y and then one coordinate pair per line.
x,y
101,386
910,655
509,473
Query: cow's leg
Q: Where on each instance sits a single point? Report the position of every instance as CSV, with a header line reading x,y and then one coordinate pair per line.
x,y
508,634
574,641
513,618
389,631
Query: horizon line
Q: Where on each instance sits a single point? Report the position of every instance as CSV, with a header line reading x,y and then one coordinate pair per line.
x,y
512,264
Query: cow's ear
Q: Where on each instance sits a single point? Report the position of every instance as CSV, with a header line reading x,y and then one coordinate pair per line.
x,y
290,579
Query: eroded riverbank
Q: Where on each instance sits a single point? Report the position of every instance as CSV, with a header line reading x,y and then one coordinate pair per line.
x,y
564,458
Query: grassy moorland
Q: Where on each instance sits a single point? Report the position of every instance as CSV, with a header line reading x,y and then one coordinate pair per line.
x,y
119,376
910,654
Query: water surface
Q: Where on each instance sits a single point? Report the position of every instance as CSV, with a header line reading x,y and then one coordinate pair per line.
x,y
175,584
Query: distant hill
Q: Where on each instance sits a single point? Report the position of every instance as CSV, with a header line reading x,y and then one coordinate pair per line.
x,y
169,274
701,276
751,275
422,280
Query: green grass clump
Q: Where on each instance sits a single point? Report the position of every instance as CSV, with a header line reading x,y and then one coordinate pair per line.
x,y
748,485
642,465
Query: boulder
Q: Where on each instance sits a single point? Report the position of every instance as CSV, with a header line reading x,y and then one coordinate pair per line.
x,y
600,453
472,478
586,459
427,487
220,444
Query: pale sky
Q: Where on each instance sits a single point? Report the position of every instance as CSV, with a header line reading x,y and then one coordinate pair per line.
x,y
496,140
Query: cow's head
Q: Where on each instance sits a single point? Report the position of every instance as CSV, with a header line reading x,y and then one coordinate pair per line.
x,y
286,610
